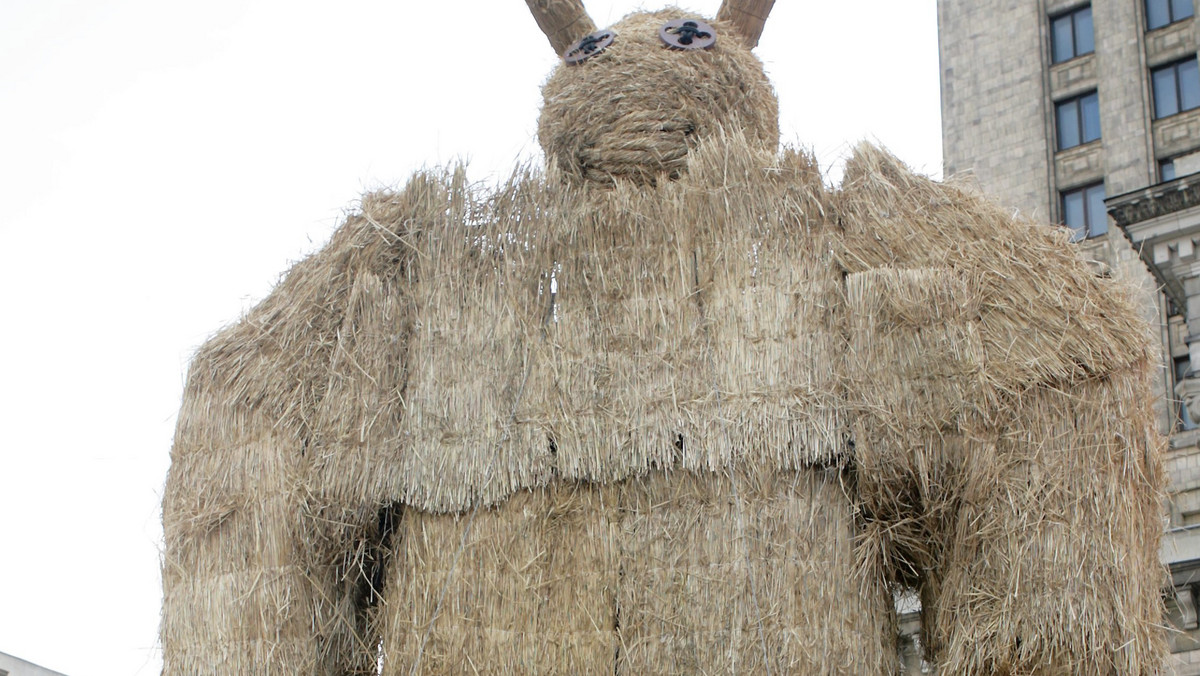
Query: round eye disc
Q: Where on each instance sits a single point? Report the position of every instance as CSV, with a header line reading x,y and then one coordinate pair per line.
x,y
589,45
688,34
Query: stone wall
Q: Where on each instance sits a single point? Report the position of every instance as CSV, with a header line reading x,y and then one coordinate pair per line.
x,y
993,103
14,666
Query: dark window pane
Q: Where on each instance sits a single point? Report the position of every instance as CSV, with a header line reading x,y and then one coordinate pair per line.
x,y
1068,124
1090,106
1181,9
1096,215
1157,14
1165,101
1084,42
1063,40
1182,366
1166,170
1189,85
1073,214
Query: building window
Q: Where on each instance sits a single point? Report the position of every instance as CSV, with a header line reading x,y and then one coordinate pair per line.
x,y
1183,420
1078,120
1176,87
1083,211
1166,170
1071,34
1160,13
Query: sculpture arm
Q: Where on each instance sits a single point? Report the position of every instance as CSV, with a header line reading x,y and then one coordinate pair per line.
x,y
271,521
1005,436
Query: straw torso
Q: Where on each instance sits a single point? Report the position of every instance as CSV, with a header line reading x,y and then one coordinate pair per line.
x,y
673,406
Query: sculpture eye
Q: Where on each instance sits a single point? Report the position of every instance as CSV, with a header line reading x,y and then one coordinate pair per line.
x,y
589,45
688,34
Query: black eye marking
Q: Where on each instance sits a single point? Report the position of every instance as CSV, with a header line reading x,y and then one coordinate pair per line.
x,y
688,34
589,45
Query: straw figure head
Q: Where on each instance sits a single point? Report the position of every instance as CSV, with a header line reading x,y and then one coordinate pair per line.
x,y
631,101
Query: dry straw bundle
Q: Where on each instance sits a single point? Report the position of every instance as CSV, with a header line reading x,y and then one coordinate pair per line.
x,y
1004,433
617,372
601,419
657,106
641,576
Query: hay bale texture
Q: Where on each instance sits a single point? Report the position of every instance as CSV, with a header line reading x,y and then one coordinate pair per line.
x,y
588,367
685,411
1004,434
658,104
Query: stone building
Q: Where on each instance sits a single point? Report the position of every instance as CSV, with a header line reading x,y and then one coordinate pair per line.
x,y
1088,114
15,666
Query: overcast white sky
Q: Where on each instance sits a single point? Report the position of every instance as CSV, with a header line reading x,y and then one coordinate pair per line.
x,y
162,162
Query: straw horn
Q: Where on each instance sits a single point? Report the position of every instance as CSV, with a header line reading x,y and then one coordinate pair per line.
x,y
563,21
748,15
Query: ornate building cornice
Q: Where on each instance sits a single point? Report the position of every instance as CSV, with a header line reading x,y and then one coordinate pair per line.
x,y
1157,200
1162,222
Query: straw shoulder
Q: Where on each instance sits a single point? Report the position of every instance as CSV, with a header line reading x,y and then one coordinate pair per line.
x,y
1039,312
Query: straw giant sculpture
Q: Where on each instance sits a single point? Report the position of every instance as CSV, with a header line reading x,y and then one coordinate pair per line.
x,y
670,405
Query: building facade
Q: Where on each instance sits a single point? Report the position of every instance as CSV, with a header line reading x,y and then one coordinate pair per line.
x,y
1088,114
15,666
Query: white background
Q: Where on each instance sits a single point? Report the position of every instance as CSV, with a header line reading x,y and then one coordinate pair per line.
x,y
162,162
